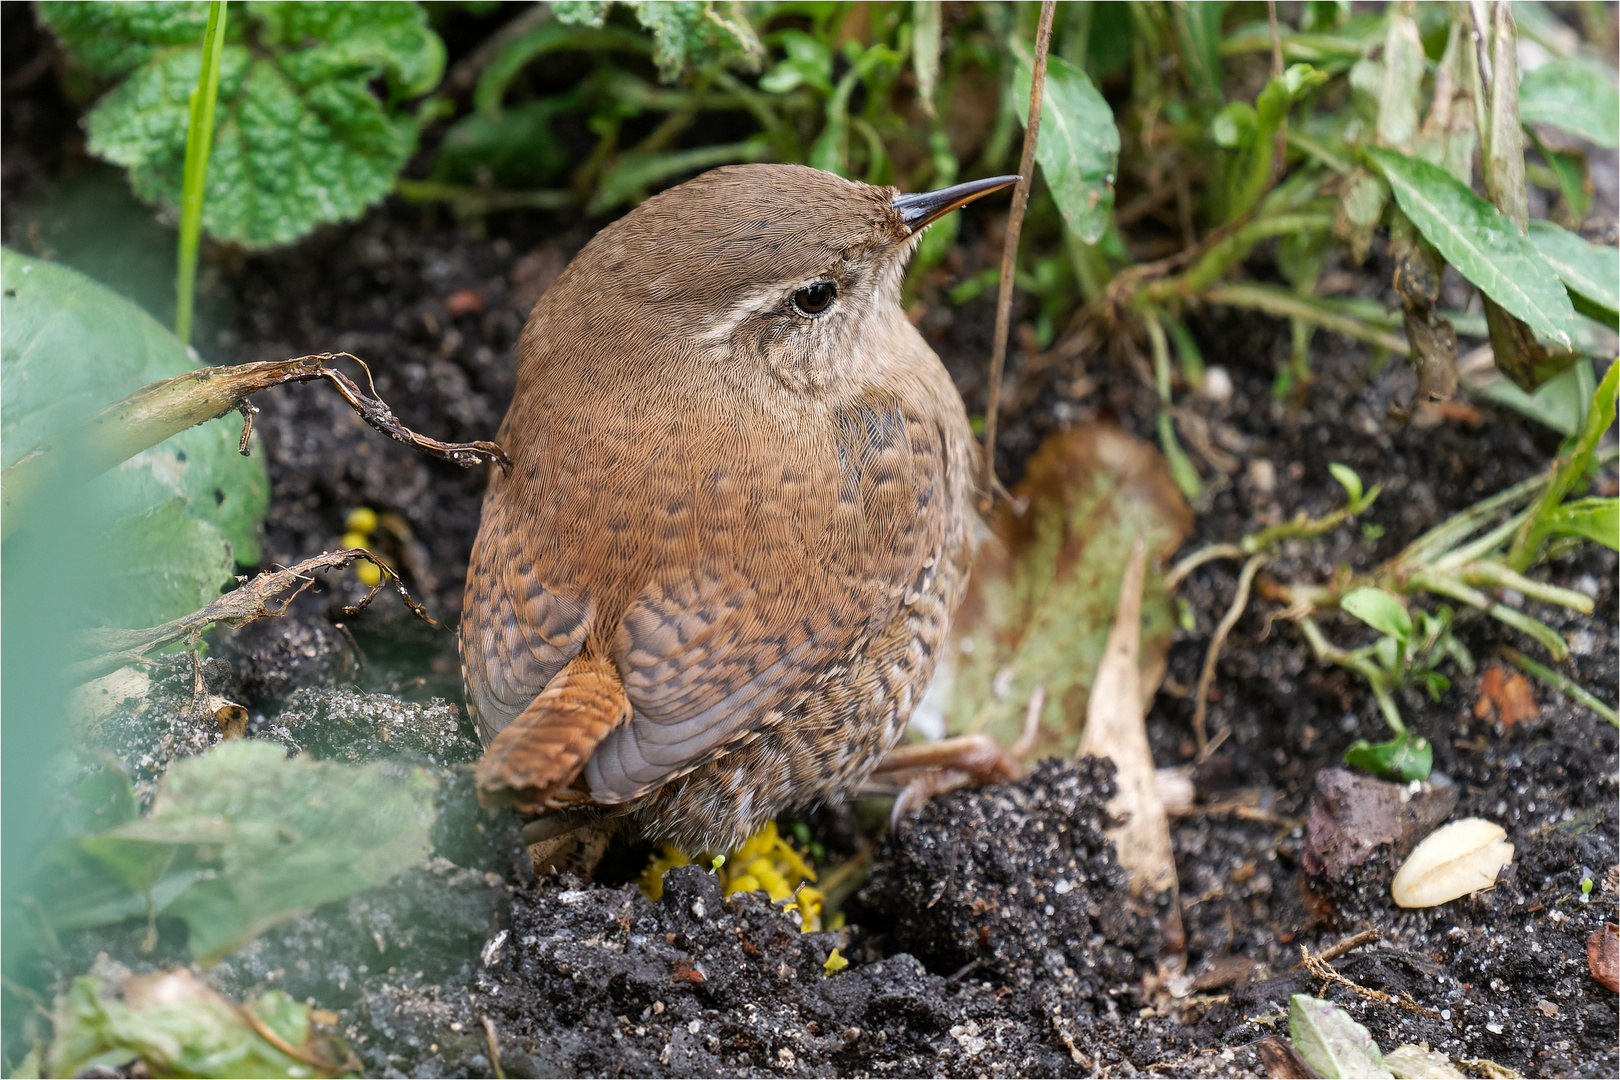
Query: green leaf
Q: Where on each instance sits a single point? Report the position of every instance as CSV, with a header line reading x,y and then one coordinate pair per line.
x,y
1590,273
1078,149
1596,519
1380,610
1043,593
687,33
630,177
177,1025
179,515
925,47
1331,1042
1487,248
274,836
1347,478
300,138
1404,758
1573,96
115,39
1398,92
1560,402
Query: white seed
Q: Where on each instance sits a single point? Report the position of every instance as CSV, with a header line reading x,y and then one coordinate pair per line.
x,y
1452,861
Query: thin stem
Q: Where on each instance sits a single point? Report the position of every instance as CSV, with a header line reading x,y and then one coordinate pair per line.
x,y
199,144
1558,681
1290,305
1009,252
1207,676
1326,650
1490,572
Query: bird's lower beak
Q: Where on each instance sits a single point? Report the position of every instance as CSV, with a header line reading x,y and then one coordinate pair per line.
x,y
918,211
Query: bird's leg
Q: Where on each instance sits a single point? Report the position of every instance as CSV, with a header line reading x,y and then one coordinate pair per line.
x,y
959,761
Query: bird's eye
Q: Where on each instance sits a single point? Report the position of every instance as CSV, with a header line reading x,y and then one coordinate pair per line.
x,y
813,300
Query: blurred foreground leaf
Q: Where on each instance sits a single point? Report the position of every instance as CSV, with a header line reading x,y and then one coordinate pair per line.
x,y
241,838
1330,1041
1044,590
178,516
176,1025
1484,245
301,139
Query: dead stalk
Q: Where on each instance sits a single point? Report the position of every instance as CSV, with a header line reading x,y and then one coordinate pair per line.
x,y
1207,676
1009,252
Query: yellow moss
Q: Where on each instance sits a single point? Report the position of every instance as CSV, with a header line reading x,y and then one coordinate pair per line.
x,y
362,519
764,863
652,878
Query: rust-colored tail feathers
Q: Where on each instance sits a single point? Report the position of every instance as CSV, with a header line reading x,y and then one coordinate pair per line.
x,y
543,750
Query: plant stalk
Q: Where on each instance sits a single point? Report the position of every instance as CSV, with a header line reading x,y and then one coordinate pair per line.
x,y
1009,252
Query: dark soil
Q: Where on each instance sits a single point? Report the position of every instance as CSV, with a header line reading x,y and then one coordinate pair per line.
x,y
994,935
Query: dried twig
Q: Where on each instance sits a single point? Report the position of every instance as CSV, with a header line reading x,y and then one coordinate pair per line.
x,y
267,595
161,409
1207,676
1009,252
1319,967
1354,941
1281,147
494,1048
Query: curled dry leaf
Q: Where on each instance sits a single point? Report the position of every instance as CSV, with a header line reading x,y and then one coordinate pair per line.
x,y
1115,729
1603,954
1452,861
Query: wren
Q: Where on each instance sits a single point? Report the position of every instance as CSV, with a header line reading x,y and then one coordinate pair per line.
x,y
713,583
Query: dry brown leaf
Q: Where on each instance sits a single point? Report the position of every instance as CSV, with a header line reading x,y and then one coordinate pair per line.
x,y
1508,694
1603,954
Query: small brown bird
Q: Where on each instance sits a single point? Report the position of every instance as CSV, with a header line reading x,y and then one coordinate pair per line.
x,y
713,583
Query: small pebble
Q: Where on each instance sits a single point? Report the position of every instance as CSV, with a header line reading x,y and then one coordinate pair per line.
x,y
1217,385
1263,475
1452,861
1548,1008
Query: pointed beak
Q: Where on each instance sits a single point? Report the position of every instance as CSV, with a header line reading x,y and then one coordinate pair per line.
x,y
918,211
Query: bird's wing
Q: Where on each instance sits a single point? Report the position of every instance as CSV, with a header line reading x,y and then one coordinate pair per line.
x,y
717,649
518,630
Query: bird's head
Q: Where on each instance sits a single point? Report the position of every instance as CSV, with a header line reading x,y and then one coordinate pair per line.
x,y
755,269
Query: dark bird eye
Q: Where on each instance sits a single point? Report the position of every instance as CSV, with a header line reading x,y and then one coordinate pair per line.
x,y
812,300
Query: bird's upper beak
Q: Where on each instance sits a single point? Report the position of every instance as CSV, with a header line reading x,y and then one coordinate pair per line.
x,y
918,211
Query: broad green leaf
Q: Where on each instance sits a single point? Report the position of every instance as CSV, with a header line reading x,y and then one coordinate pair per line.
x,y
1591,273
687,33
1573,96
1596,519
1331,1042
1199,28
1487,248
1560,402
176,1025
115,39
301,137
179,515
1043,592
1078,149
1380,610
1404,758
272,837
